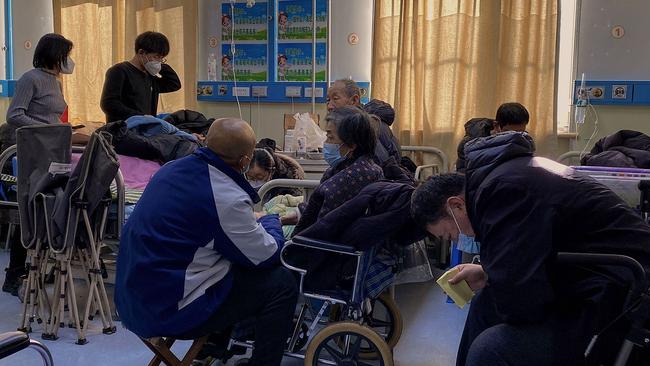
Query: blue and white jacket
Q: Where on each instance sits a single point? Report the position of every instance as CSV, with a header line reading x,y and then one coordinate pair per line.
x,y
194,221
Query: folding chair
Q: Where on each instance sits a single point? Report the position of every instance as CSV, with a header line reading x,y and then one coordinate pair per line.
x,y
161,347
84,202
41,177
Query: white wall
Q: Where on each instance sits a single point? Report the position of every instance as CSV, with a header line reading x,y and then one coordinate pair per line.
x,y
267,119
602,57
348,60
3,51
31,20
346,16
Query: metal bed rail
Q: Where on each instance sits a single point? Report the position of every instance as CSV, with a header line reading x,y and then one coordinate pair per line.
x,y
565,158
439,154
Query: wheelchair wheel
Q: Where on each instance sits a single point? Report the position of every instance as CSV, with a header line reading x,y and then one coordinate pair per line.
x,y
385,319
326,345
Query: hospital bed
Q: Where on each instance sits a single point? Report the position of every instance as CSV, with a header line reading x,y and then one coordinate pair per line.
x,y
422,155
570,158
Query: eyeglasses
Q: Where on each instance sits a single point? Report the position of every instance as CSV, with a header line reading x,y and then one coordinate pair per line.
x,y
156,58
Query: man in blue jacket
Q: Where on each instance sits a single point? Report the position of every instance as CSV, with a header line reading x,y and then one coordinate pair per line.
x,y
523,210
194,259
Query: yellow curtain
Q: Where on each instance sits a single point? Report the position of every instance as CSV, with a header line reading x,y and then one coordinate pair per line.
x,y
442,62
104,32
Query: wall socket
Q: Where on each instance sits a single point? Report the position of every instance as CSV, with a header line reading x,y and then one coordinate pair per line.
x,y
319,92
241,91
293,91
260,91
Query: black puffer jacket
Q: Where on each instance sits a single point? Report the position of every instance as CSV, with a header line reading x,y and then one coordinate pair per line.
x,y
524,210
378,215
625,148
474,128
160,148
190,121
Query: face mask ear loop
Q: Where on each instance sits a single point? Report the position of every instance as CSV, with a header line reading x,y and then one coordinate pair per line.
x,y
455,221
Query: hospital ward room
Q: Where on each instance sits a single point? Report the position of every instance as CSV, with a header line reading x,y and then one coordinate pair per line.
x,y
325,182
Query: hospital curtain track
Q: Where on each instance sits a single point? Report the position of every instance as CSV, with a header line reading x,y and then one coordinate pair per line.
x,y
442,62
104,31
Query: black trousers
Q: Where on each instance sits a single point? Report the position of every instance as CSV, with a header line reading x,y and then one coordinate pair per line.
x,y
267,295
561,339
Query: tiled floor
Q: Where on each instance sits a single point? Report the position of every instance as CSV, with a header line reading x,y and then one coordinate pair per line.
x,y
432,330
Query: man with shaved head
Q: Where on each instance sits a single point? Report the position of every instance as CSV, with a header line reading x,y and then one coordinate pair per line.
x,y
194,259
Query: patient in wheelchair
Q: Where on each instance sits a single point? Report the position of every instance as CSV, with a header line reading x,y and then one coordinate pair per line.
x,y
355,206
349,150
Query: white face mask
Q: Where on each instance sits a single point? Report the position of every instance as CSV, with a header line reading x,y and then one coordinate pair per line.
x,y
256,184
68,66
153,67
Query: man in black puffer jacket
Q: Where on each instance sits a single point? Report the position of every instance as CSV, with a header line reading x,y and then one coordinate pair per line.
x,y
524,210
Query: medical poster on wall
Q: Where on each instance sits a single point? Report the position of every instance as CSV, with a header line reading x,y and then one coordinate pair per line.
x,y
294,61
250,24
249,61
295,19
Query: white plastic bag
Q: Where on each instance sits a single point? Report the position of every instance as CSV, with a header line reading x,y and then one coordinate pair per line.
x,y
315,136
414,265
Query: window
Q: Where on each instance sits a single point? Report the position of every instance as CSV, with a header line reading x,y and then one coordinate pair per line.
x,y
565,65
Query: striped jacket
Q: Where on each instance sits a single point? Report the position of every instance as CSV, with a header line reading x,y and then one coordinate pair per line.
x,y
194,221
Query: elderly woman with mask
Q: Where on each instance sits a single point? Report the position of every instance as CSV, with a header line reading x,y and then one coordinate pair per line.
x,y
349,150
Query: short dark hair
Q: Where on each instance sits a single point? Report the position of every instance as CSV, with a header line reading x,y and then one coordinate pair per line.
x,y
152,42
353,127
512,114
429,200
52,51
263,158
381,109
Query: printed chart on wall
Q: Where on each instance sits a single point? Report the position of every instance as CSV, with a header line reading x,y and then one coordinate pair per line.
x,y
295,40
249,62
294,19
250,28
294,61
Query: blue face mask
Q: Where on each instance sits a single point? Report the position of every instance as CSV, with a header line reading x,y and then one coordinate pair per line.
x,y
332,153
466,243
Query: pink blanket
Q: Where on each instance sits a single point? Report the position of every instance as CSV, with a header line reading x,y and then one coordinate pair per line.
x,y
136,172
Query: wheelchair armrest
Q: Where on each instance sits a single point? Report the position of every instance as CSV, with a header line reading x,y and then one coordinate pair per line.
x,y
12,342
639,284
325,245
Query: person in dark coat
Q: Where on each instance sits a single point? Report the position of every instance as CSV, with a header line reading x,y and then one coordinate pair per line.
x,y
510,116
387,141
523,210
349,150
379,216
625,148
131,88
380,212
474,128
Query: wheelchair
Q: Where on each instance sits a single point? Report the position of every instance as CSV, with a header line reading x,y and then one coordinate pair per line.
x,y
636,308
338,327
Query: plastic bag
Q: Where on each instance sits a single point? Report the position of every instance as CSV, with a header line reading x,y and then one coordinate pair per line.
x,y
414,265
315,136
